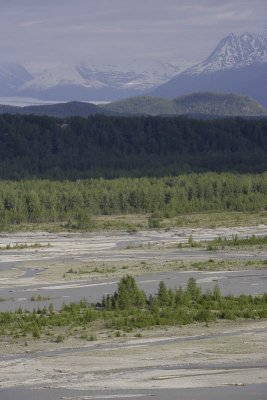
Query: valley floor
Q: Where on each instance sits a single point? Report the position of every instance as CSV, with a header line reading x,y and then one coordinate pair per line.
x,y
225,354
228,356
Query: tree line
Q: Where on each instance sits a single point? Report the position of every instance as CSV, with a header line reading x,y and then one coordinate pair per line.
x,y
37,201
129,307
109,147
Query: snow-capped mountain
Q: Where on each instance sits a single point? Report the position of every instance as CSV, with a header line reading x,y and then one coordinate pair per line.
x,y
234,52
54,75
237,65
86,81
130,76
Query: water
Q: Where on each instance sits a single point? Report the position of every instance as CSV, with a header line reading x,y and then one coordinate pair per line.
x,y
248,392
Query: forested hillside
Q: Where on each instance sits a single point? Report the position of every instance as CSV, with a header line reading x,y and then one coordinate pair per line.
x,y
203,103
58,110
137,146
53,201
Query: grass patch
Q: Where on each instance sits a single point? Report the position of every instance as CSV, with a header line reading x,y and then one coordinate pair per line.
x,y
230,265
218,219
92,270
40,298
236,241
22,246
110,270
138,222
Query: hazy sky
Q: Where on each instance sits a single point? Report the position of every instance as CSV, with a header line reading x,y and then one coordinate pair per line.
x,y
115,31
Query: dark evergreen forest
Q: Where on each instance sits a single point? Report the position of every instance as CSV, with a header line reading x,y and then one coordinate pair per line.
x,y
109,147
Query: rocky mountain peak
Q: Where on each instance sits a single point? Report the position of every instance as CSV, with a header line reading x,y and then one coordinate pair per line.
x,y
233,52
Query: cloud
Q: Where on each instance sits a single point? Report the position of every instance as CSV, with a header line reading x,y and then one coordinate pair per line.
x,y
114,30
30,23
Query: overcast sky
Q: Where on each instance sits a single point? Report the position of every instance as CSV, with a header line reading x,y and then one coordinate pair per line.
x,y
116,31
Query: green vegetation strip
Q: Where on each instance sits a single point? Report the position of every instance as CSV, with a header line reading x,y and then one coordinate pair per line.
x,y
129,308
40,298
108,269
221,242
235,241
135,203
22,246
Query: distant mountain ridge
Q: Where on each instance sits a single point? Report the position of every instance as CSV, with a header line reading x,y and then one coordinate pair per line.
x,y
83,82
237,65
220,104
60,110
209,104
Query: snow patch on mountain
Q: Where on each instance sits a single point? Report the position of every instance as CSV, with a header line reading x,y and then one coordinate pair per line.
x,y
129,76
233,52
59,75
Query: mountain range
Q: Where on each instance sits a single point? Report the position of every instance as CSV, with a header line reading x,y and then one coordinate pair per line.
x,y
237,65
198,104
83,82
